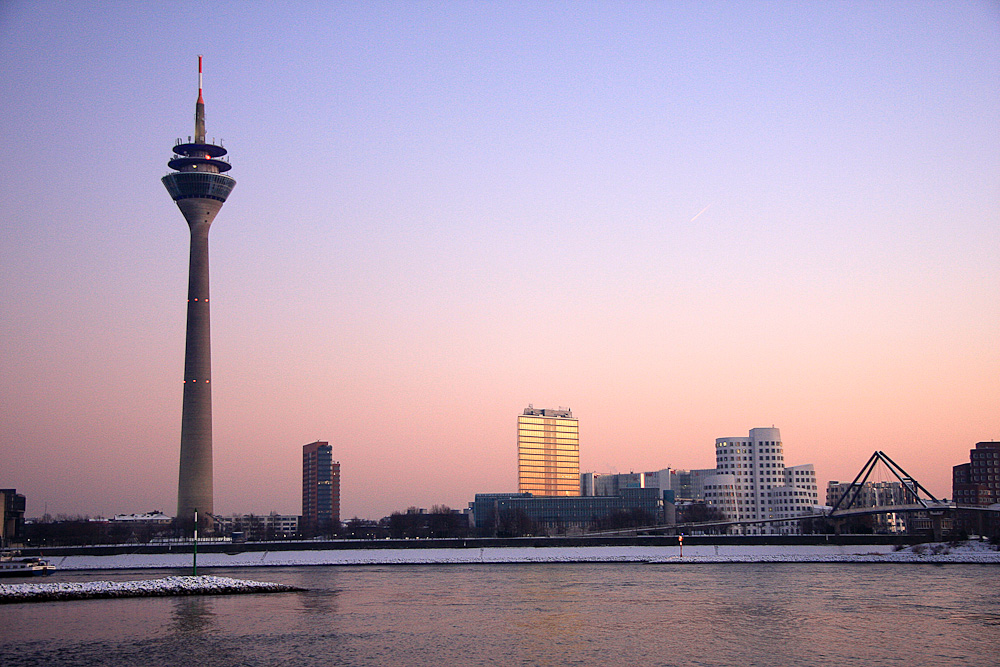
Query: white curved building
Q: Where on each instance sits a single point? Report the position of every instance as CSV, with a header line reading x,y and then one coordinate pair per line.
x,y
752,483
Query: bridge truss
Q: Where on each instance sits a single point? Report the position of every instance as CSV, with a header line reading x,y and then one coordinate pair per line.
x,y
912,486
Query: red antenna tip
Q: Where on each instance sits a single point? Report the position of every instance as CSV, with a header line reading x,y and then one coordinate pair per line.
x,y
200,99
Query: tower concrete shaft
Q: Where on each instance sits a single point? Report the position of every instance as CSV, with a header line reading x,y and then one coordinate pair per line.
x,y
199,187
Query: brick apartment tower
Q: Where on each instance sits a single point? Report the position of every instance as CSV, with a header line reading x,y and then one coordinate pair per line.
x,y
977,484
320,489
199,187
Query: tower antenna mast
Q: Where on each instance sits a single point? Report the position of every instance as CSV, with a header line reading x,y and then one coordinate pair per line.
x,y
199,187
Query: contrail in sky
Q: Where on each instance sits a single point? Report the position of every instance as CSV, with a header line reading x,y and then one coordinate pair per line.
x,y
700,212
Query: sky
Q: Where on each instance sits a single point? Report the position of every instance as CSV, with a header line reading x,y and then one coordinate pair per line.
x,y
682,220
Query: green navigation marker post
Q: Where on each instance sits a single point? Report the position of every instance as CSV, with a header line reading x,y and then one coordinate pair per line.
x,y
194,564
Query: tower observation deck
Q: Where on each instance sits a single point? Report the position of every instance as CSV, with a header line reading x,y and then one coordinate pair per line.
x,y
199,186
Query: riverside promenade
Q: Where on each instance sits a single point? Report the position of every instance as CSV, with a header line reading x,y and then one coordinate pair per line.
x,y
528,550
226,546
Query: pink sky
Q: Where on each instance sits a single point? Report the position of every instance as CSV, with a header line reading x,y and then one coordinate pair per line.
x,y
446,211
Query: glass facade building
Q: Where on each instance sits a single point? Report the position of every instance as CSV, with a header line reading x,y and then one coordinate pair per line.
x,y
554,513
610,484
548,452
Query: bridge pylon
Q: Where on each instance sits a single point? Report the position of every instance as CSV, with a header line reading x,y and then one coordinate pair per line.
x,y
912,486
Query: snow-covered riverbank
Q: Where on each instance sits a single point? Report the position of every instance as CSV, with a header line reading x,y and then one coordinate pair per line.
x,y
201,585
970,552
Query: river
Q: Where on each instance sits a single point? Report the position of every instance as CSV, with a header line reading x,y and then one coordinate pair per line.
x,y
533,614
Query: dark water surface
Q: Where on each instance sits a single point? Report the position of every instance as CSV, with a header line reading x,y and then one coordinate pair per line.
x,y
538,614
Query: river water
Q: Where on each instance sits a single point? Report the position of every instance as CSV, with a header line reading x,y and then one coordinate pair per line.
x,y
533,614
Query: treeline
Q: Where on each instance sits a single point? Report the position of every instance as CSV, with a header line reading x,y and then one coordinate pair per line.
x,y
412,523
440,522
72,532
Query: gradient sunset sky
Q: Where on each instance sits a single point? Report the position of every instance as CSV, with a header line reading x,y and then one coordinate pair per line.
x,y
683,220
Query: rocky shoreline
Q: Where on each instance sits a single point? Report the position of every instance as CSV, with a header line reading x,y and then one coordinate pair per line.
x,y
192,585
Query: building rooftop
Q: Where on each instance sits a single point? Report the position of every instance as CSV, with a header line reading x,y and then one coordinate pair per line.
x,y
546,412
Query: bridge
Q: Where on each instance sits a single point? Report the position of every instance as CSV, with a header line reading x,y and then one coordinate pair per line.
x,y
920,500
913,500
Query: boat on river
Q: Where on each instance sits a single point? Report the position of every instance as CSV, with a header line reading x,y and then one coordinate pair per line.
x,y
25,567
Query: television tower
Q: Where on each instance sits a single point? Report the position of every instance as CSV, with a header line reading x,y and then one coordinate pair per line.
x,y
199,187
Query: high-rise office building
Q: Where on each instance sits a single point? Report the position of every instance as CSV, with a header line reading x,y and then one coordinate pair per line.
x,y
548,452
199,187
753,483
11,516
977,483
320,489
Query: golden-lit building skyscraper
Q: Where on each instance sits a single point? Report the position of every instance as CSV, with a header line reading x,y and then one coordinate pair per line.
x,y
548,452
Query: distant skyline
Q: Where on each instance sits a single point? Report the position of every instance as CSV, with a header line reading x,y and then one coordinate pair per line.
x,y
683,220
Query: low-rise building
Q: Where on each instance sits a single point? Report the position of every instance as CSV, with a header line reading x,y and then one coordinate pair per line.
x,y
690,484
610,484
686,485
259,527
154,518
873,494
567,514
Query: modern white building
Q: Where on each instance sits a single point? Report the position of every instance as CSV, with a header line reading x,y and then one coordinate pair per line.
x,y
752,483
686,484
611,484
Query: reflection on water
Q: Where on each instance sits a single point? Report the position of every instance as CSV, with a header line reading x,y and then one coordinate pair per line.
x,y
192,614
318,603
546,614
554,620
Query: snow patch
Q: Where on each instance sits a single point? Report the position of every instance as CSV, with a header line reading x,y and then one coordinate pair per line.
x,y
194,585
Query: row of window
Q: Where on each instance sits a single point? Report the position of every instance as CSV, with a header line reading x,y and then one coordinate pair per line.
x,y
750,458
186,185
740,494
541,420
780,466
562,439
539,447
